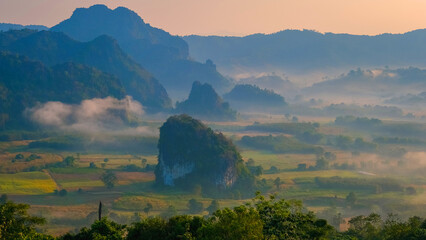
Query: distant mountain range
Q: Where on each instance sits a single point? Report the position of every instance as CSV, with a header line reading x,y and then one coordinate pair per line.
x,y
103,53
162,54
309,50
4,27
383,83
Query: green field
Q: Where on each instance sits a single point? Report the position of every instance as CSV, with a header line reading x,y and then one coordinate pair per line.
x,y
281,161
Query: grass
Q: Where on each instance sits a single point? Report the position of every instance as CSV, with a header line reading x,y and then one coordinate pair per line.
x,y
288,177
28,183
115,161
83,184
76,170
281,161
18,165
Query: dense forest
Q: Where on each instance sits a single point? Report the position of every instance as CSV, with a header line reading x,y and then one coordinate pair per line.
x,y
251,96
103,53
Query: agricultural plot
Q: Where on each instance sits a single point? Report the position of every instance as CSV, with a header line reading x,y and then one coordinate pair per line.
x,y
27,183
280,161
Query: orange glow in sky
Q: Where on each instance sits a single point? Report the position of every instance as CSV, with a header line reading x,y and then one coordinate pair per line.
x,y
240,17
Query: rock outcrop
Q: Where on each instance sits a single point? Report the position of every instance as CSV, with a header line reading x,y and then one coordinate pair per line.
x,y
191,153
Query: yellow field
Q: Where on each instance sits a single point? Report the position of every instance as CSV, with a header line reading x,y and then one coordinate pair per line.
x,y
26,183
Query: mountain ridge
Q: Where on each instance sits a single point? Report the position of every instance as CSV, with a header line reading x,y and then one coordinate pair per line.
x,y
310,50
162,54
103,53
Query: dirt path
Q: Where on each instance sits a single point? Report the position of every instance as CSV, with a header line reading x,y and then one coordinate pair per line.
x,y
59,186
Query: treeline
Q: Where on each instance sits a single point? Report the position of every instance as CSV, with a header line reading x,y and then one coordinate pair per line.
x,y
348,143
398,140
286,127
279,144
115,144
303,131
358,122
261,219
374,185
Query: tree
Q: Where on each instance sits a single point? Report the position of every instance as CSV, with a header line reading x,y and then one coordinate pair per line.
x,y
3,199
365,227
250,162
273,169
321,164
195,206
100,229
330,156
170,212
242,222
214,206
92,165
344,142
148,229
411,190
148,208
109,179
351,199
16,223
287,220
136,217
277,182
69,161
63,192
301,167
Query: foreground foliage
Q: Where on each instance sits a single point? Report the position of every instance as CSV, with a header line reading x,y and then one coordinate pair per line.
x,y
262,218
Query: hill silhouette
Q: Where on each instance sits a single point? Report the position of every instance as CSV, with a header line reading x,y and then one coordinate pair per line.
x,y
103,53
24,83
382,83
251,96
205,103
164,55
309,50
10,26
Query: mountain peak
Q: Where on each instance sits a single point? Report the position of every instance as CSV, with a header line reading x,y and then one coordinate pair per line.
x,y
204,102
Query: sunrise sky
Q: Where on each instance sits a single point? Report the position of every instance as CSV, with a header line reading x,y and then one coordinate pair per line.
x,y
240,17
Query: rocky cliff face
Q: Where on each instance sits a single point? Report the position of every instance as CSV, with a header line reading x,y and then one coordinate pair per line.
x,y
191,153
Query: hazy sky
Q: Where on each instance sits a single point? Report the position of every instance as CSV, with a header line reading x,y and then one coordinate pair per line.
x,y
240,17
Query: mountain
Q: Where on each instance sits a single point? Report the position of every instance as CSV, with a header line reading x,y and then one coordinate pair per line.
x,y
253,97
280,84
103,53
378,83
409,99
309,50
205,103
191,153
164,55
9,26
25,83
